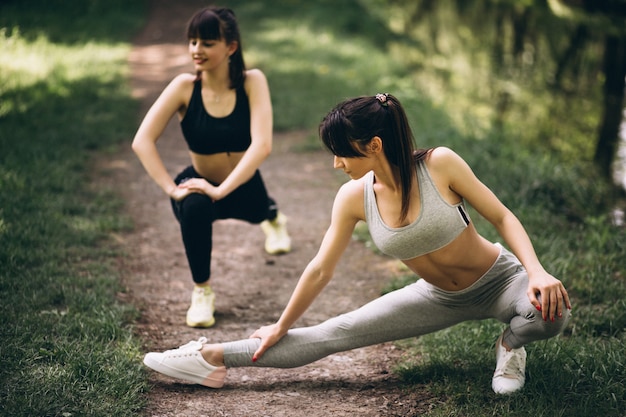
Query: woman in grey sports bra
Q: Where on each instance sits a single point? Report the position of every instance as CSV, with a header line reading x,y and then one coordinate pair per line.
x,y
413,201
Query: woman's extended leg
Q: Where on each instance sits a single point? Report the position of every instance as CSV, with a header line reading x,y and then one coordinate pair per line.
x,y
407,312
400,314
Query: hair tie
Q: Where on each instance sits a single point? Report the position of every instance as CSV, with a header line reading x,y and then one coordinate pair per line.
x,y
382,98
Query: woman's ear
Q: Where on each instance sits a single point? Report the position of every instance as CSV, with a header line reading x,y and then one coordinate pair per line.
x,y
375,145
232,47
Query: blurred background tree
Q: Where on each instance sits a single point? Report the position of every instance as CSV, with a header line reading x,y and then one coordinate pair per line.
x,y
559,65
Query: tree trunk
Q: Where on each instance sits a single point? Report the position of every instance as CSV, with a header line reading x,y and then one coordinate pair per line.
x,y
498,45
575,47
520,29
615,71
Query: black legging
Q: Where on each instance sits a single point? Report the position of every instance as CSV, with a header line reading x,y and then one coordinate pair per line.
x,y
197,212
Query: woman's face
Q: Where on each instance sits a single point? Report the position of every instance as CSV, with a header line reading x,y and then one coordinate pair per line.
x,y
209,54
354,167
357,166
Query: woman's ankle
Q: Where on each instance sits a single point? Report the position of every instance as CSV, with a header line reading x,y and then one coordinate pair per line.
x,y
213,354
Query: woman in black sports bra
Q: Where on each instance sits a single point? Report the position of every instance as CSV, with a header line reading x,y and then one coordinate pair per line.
x,y
225,115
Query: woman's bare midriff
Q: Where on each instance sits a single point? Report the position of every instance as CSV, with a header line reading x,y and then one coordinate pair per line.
x,y
215,167
457,265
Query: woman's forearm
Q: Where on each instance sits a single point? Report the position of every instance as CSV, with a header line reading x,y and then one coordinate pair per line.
x,y
153,164
309,286
245,169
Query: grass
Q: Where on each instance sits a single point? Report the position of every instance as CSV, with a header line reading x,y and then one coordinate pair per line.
x,y
66,344
68,348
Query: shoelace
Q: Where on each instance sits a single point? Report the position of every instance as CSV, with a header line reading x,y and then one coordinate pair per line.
x,y
511,365
278,228
194,345
203,296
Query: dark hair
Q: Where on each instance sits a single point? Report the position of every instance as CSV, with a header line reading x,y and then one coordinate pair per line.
x,y
220,23
350,126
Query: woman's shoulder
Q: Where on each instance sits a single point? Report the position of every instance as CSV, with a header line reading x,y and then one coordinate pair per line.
x,y
350,198
178,91
184,78
257,88
255,74
182,85
439,152
446,166
354,188
442,157
254,79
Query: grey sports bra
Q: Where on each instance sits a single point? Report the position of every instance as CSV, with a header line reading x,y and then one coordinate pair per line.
x,y
438,223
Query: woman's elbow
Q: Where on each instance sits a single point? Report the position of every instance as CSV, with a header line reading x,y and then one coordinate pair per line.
x,y
134,145
322,275
138,145
261,151
266,148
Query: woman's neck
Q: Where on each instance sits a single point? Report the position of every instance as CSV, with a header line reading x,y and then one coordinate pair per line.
x,y
218,81
387,176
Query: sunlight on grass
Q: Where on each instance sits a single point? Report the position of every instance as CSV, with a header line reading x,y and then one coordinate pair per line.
x,y
30,61
23,60
26,64
301,48
293,53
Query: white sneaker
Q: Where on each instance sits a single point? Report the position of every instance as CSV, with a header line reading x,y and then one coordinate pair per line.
x,y
187,363
510,374
200,314
277,240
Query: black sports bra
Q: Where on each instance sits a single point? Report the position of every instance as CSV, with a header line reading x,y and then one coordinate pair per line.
x,y
207,135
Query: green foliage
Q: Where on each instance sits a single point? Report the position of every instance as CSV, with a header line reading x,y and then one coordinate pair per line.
x,y
316,54
72,21
66,345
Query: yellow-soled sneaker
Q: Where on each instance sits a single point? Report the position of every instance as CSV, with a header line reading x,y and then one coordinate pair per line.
x,y
187,363
200,314
510,374
277,240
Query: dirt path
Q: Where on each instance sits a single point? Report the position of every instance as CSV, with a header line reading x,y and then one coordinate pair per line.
x,y
251,287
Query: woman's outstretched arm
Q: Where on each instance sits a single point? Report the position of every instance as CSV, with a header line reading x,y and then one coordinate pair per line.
x,y
347,211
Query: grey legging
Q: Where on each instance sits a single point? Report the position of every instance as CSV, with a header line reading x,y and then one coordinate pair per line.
x,y
414,310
